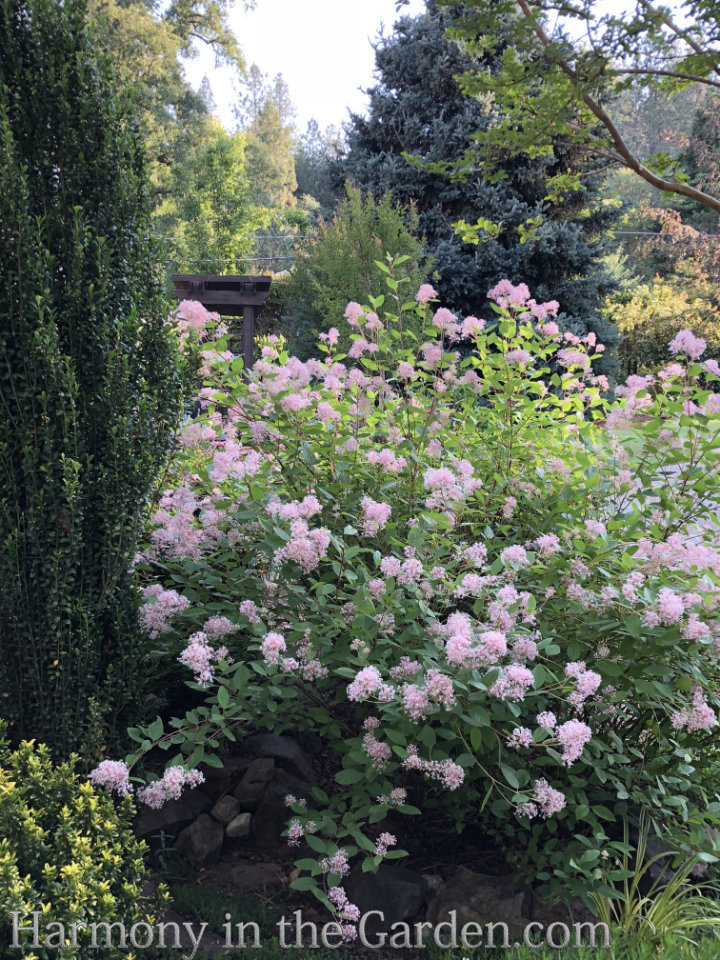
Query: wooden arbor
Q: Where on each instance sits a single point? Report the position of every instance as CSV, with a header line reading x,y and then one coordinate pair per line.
x,y
230,297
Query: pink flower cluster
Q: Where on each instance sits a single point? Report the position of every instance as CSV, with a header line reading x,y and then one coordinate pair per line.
x,y
398,796
112,775
199,656
699,717
520,357
425,293
367,682
449,485
518,297
331,337
548,801
306,547
296,829
686,342
345,909
547,544
374,515
337,864
186,523
515,556
386,460
160,607
248,608
520,737
450,774
383,843
512,683
217,627
170,786
573,358
573,735
192,317
465,648
303,509
378,752
417,699
587,682
272,646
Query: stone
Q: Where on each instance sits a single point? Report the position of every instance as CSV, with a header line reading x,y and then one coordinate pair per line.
x,y
174,814
201,843
286,753
254,781
433,880
396,891
222,780
226,809
272,815
239,826
481,898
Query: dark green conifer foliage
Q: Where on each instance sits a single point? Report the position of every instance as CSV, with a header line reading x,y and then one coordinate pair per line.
x,y
90,380
417,108
340,264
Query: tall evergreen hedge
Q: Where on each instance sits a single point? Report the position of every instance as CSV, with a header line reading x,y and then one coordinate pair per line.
x,y
90,379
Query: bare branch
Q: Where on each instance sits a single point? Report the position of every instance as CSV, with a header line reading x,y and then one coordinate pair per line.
x,y
666,73
682,34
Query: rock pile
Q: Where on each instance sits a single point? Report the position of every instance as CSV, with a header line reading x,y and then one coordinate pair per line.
x,y
242,801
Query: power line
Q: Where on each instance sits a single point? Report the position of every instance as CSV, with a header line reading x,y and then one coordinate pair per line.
x,y
268,236
234,260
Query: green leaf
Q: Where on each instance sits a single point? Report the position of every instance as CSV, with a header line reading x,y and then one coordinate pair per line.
x,y
155,730
510,776
348,776
304,883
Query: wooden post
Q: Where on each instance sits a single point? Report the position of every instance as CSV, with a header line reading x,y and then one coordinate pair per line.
x,y
248,336
230,297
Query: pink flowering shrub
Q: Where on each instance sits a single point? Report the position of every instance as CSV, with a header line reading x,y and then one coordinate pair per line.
x,y
461,574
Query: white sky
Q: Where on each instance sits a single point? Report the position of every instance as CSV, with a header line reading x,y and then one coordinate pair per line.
x,y
321,47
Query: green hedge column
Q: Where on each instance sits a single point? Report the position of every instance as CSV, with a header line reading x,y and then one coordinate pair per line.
x,y
90,379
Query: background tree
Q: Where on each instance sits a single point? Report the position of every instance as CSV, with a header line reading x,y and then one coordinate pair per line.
x,y
418,108
670,241
339,265
148,45
90,379
318,169
209,215
265,114
562,66
651,314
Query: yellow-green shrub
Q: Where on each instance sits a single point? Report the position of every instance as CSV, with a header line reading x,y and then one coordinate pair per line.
x,y
655,313
66,851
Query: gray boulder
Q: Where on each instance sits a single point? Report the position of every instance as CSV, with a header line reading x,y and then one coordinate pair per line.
x,y
225,810
396,891
201,843
285,752
239,826
475,897
174,814
254,781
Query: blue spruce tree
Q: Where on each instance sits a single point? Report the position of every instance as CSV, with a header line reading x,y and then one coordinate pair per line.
x,y
418,109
